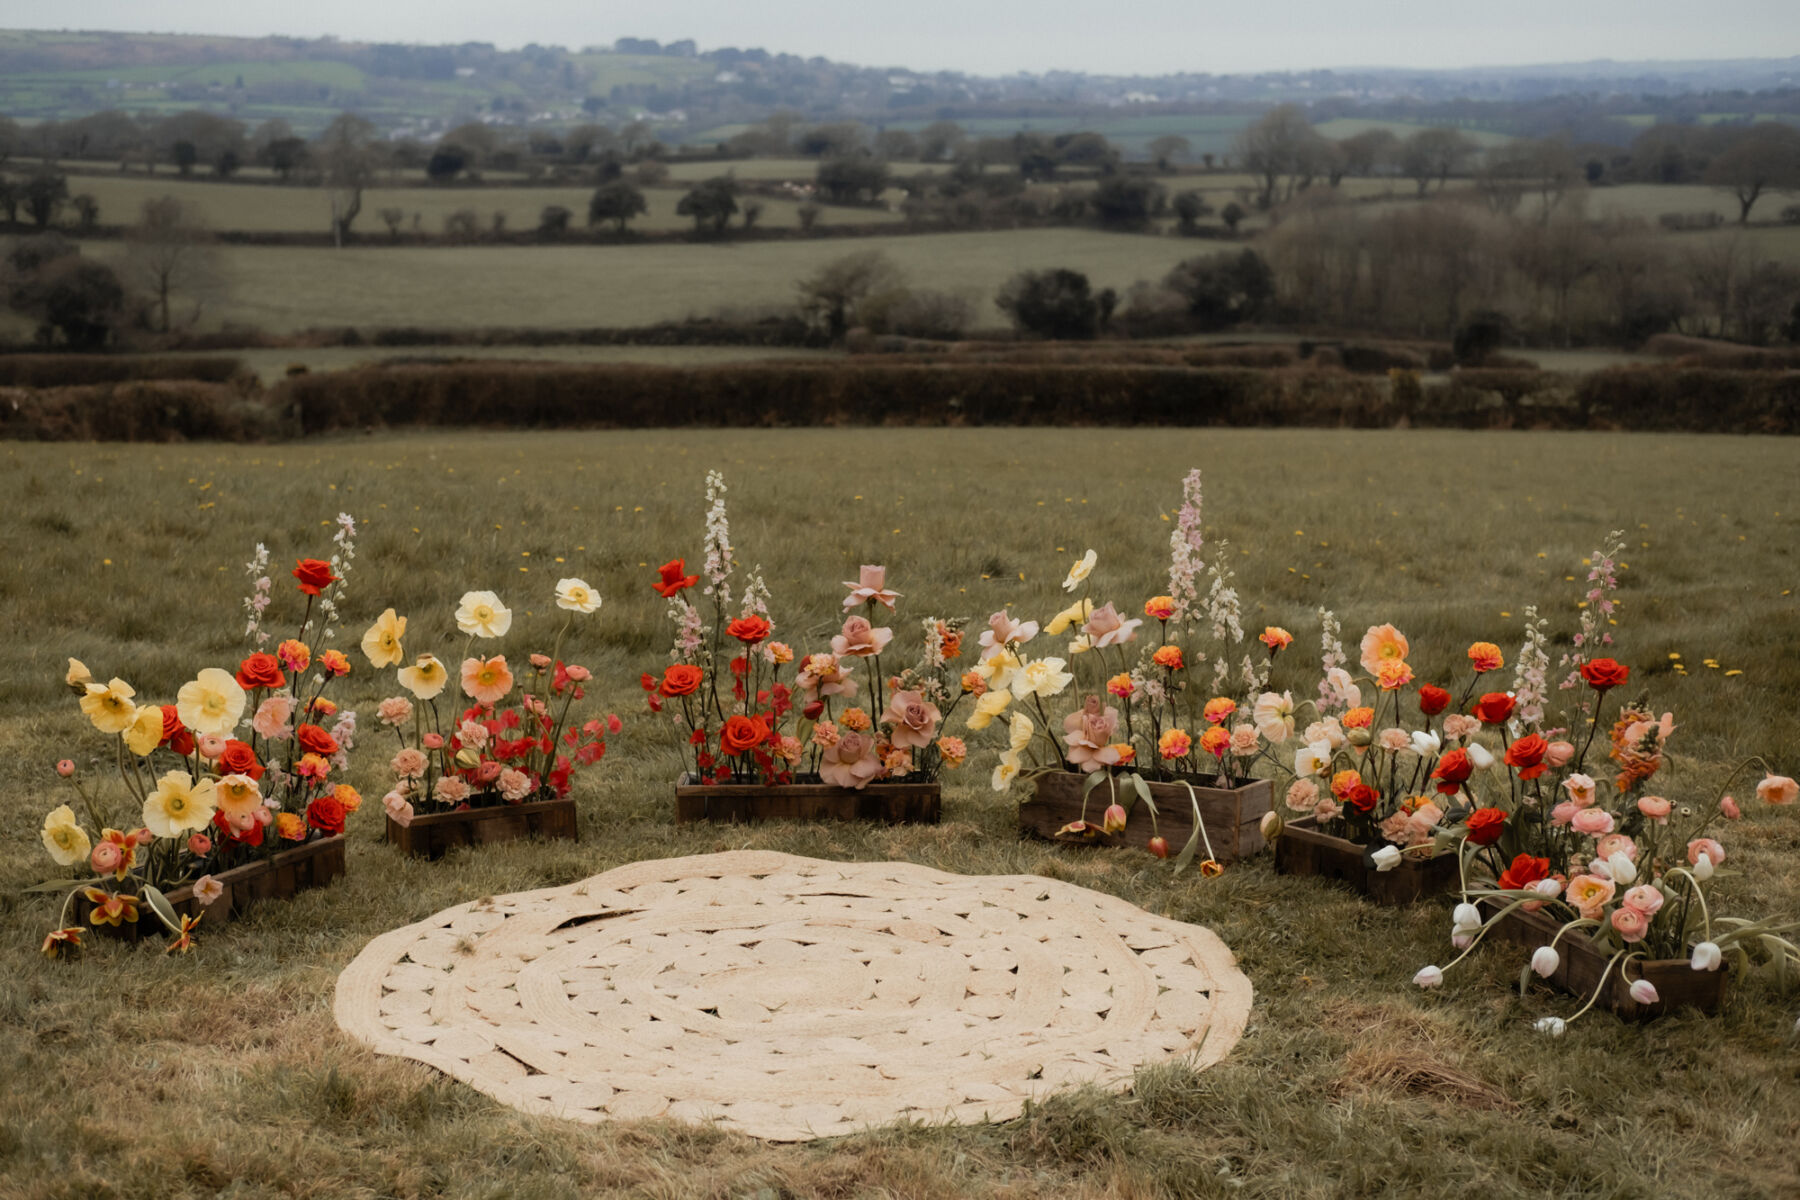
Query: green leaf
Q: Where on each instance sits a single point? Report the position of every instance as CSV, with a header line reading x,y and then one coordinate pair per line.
x,y
1143,790
1186,856
165,912
1093,781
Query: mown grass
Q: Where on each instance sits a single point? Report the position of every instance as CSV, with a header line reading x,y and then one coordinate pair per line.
x,y
135,1076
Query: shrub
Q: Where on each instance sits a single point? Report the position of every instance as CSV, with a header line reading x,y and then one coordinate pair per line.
x,y
1057,303
73,370
1223,289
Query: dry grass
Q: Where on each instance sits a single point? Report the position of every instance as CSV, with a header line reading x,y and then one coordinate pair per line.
x,y
129,1075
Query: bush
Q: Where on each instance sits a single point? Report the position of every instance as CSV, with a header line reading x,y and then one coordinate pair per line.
x,y
1055,304
74,370
140,412
1223,289
78,298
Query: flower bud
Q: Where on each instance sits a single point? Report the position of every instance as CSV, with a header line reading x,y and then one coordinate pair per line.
x,y
1545,960
467,758
1386,859
1624,871
1462,940
1703,868
1429,977
1553,1026
1271,825
1466,917
1113,820
1707,957
1358,737
1480,756
1644,992
65,768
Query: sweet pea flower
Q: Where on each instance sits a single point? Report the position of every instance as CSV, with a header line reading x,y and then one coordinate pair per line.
x,y
272,718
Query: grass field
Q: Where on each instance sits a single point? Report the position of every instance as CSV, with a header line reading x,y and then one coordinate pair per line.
x,y
129,1074
1340,128
284,288
300,209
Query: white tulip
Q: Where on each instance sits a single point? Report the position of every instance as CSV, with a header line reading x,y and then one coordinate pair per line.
x,y
1478,754
1703,868
1461,940
1707,957
1429,977
1387,858
1548,887
1624,871
1545,960
1553,1026
1426,744
1644,992
1466,917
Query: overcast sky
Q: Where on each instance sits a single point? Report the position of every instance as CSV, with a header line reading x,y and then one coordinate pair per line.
x,y
1002,36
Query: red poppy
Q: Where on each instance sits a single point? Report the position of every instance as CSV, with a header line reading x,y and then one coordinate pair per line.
x,y
673,580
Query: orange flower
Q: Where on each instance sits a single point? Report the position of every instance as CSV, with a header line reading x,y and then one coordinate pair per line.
x,y
1359,718
1383,643
1210,869
348,796
1160,607
291,826
1218,709
294,655
184,941
1486,657
949,641
486,681
311,766
1168,657
59,942
854,718
1125,750
1121,686
1174,744
335,663
973,684
1343,782
110,908
1276,638
1216,740
1393,674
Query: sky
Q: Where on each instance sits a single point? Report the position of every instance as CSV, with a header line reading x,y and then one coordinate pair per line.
x,y
999,37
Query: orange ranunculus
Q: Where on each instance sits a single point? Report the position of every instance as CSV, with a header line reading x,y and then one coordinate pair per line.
x,y
680,680
1486,657
1359,718
1495,708
742,734
314,575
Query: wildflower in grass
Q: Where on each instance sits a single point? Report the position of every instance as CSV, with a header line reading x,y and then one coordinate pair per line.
x,y
574,595
1581,789
425,678
718,542
1530,672
1186,541
1275,638
481,614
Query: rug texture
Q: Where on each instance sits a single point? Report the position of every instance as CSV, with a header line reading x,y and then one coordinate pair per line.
x,y
792,998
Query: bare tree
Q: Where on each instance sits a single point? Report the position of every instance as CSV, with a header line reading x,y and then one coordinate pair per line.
x,y
1767,158
1434,154
1282,144
170,253
347,152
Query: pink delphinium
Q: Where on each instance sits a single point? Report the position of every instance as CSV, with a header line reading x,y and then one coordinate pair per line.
x,y
1186,541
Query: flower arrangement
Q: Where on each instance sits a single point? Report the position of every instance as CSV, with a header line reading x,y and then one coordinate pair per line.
x,y
491,752
755,713
244,763
1573,823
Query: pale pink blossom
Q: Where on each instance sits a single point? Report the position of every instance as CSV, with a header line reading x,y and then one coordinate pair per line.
x,y
870,587
1646,899
473,735
1002,629
1563,813
851,762
1302,795
409,764
913,720
1592,821
398,808
272,719
1655,808
1088,734
1105,627
206,889
1558,753
395,710
1457,725
1631,923
450,790
1617,843
1245,740
1394,740
860,639
1581,791
514,785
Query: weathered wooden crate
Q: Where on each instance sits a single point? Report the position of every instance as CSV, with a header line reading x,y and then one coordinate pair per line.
x,y
432,835
1581,963
277,877
1233,816
1303,849
884,801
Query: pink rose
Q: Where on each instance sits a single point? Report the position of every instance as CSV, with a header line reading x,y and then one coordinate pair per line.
x,y
861,639
1558,754
1705,846
913,718
1778,789
1631,923
1654,807
1645,899
1106,628
850,762
1592,821
1088,734
870,587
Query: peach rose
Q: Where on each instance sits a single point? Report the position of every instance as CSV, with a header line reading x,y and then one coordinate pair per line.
x,y
850,762
861,639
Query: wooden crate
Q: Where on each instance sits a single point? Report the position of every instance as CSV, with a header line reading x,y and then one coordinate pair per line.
x,y
1581,962
1233,816
277,877
883,801
432,835
1303,849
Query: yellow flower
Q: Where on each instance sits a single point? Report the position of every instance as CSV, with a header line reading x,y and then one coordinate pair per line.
x,y
211,702
1084,566
576,596
1045,677
145,733
238,797
110,707
991,705
997,670
1079,611
178,805
381,643
425,678
66,841
1006,772
1019,735
78,677
482,614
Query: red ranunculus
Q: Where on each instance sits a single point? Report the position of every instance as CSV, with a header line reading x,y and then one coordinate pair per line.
x,y
175,735
1605,673
314,576
680,680
673,580
1527,756
742,734
315,740
239,759
1433,700
1453,770
260,671
1485,825
1524,872
326,814
1495,708
748,630
1362,798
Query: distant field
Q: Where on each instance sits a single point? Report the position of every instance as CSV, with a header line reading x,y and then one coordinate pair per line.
x,y
282,209
282,289
271,365
1343,127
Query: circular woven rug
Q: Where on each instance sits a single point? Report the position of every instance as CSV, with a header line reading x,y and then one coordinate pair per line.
x,y
791,998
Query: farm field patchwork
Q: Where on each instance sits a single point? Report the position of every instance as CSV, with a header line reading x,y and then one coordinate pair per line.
x,y
1349,1076
271,365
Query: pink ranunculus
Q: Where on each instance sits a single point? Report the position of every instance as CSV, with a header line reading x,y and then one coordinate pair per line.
x,y
850,762
398,807
1105,627
514,785
1617,843
1562,814
540,661
395,710
272,718
870,587
432,741
199,845
1592,821
861,639
1730,808
1654,808
913,718
1002,629
212,745
1705,846
1778,789
1631,923
65,767
578,673
1646,899
409,764
487,772
105,858
1558,753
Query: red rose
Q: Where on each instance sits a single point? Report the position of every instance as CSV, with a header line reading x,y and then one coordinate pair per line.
x,y
1433,700
260,671
1524,872
1484,826
673,580
748,630
314,576
1527,756
1453,770
680,680
1362,798
239,759
326,814
1605,673
1495,708
315,740
742,734
175,735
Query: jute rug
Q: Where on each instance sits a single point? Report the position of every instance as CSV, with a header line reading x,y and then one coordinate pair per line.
x,y
790,998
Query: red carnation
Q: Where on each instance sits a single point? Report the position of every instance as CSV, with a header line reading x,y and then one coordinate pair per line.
x,y
1605,673
1495,708
314,576
1453,770
1527,756
673,580
260,671
1485,825
1433,700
